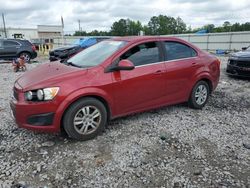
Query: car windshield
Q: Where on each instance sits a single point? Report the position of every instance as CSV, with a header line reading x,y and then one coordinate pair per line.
x,y
96,54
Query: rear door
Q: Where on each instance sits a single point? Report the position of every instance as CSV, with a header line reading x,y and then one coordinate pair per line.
x,y
181,63
144,86
10,48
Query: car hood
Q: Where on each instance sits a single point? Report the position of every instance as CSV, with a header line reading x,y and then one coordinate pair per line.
x,y
67,48
243,54
46,75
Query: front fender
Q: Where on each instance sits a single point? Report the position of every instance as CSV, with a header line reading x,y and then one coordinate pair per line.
x,y
74,96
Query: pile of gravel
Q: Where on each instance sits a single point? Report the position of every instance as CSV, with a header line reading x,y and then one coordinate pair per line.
x,y
169,147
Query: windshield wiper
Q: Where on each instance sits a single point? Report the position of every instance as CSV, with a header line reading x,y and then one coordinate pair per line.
x,y
72,64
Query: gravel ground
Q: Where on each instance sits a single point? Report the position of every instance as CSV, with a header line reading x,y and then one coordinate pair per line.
x,y
169,147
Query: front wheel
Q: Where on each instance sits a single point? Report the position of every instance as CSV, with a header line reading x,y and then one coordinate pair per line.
x,y
26,56
85,119
199,95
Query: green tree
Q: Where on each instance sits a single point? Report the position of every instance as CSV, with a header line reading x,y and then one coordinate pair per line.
x,y
133,27
119,28
163,25
181,26
209,27
80,33
153,25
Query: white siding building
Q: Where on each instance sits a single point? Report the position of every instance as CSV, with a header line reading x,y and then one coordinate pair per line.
x,y
41,32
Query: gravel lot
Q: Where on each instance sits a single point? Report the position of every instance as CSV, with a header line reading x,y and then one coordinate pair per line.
x,y
169,147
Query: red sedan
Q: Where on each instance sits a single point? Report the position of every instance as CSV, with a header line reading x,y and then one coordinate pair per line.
x,y
113,78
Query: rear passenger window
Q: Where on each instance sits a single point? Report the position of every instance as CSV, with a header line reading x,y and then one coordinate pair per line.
x,y
143,54
10,43
176,50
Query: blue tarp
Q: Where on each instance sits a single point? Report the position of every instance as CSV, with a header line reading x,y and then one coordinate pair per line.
x,y
203,31
85,42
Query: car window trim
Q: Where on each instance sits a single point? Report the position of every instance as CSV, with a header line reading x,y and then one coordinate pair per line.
x,y
150,64
167,61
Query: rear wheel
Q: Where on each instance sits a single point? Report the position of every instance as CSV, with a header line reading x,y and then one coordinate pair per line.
x,y
199,95
26,56
85,119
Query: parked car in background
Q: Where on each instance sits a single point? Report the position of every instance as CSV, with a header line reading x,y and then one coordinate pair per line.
x,y
239,63
79,45
113,78
13,48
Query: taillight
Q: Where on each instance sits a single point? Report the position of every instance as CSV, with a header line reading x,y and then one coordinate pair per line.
x,y
33,47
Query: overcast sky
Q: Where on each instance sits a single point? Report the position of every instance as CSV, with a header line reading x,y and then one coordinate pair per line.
x,y
100,14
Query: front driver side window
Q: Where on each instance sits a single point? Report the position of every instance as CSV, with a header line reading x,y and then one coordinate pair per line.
x,y
143,54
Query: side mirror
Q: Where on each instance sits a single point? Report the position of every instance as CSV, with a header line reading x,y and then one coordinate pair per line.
x,y
244,48
124,64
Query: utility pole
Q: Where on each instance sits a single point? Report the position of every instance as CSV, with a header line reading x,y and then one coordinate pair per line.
x,y
62,22
79,23
5,32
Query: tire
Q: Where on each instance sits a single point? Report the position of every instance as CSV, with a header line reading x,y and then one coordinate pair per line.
x,y
199,95
85,119
26,55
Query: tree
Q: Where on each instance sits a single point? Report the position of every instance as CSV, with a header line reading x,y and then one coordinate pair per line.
x,y
226,24
80,33
209,27
133,27
119,28
181,26
153,25
163,25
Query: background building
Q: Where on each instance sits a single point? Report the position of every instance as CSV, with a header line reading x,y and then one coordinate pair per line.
x,y
45,32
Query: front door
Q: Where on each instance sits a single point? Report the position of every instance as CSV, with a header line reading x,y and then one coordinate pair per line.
x,y
144,86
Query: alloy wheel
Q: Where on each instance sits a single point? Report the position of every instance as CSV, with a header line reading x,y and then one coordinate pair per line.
x,y
87,120
201,94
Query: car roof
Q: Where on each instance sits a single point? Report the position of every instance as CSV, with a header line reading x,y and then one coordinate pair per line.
x,y
13,39
141,38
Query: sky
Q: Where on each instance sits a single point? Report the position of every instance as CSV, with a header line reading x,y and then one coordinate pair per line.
x,y
100,14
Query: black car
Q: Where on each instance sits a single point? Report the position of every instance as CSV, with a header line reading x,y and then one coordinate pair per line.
x,y
13,48
79,45
64,52
239,63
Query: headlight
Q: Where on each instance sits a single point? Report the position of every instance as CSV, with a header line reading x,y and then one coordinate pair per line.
x,y
29,95
50,93
41,94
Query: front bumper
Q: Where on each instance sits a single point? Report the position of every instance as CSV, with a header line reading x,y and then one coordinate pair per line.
x,y
40,116
238,71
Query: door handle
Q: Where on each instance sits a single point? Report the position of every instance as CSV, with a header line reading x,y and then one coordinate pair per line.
x,y
194,64
158,72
